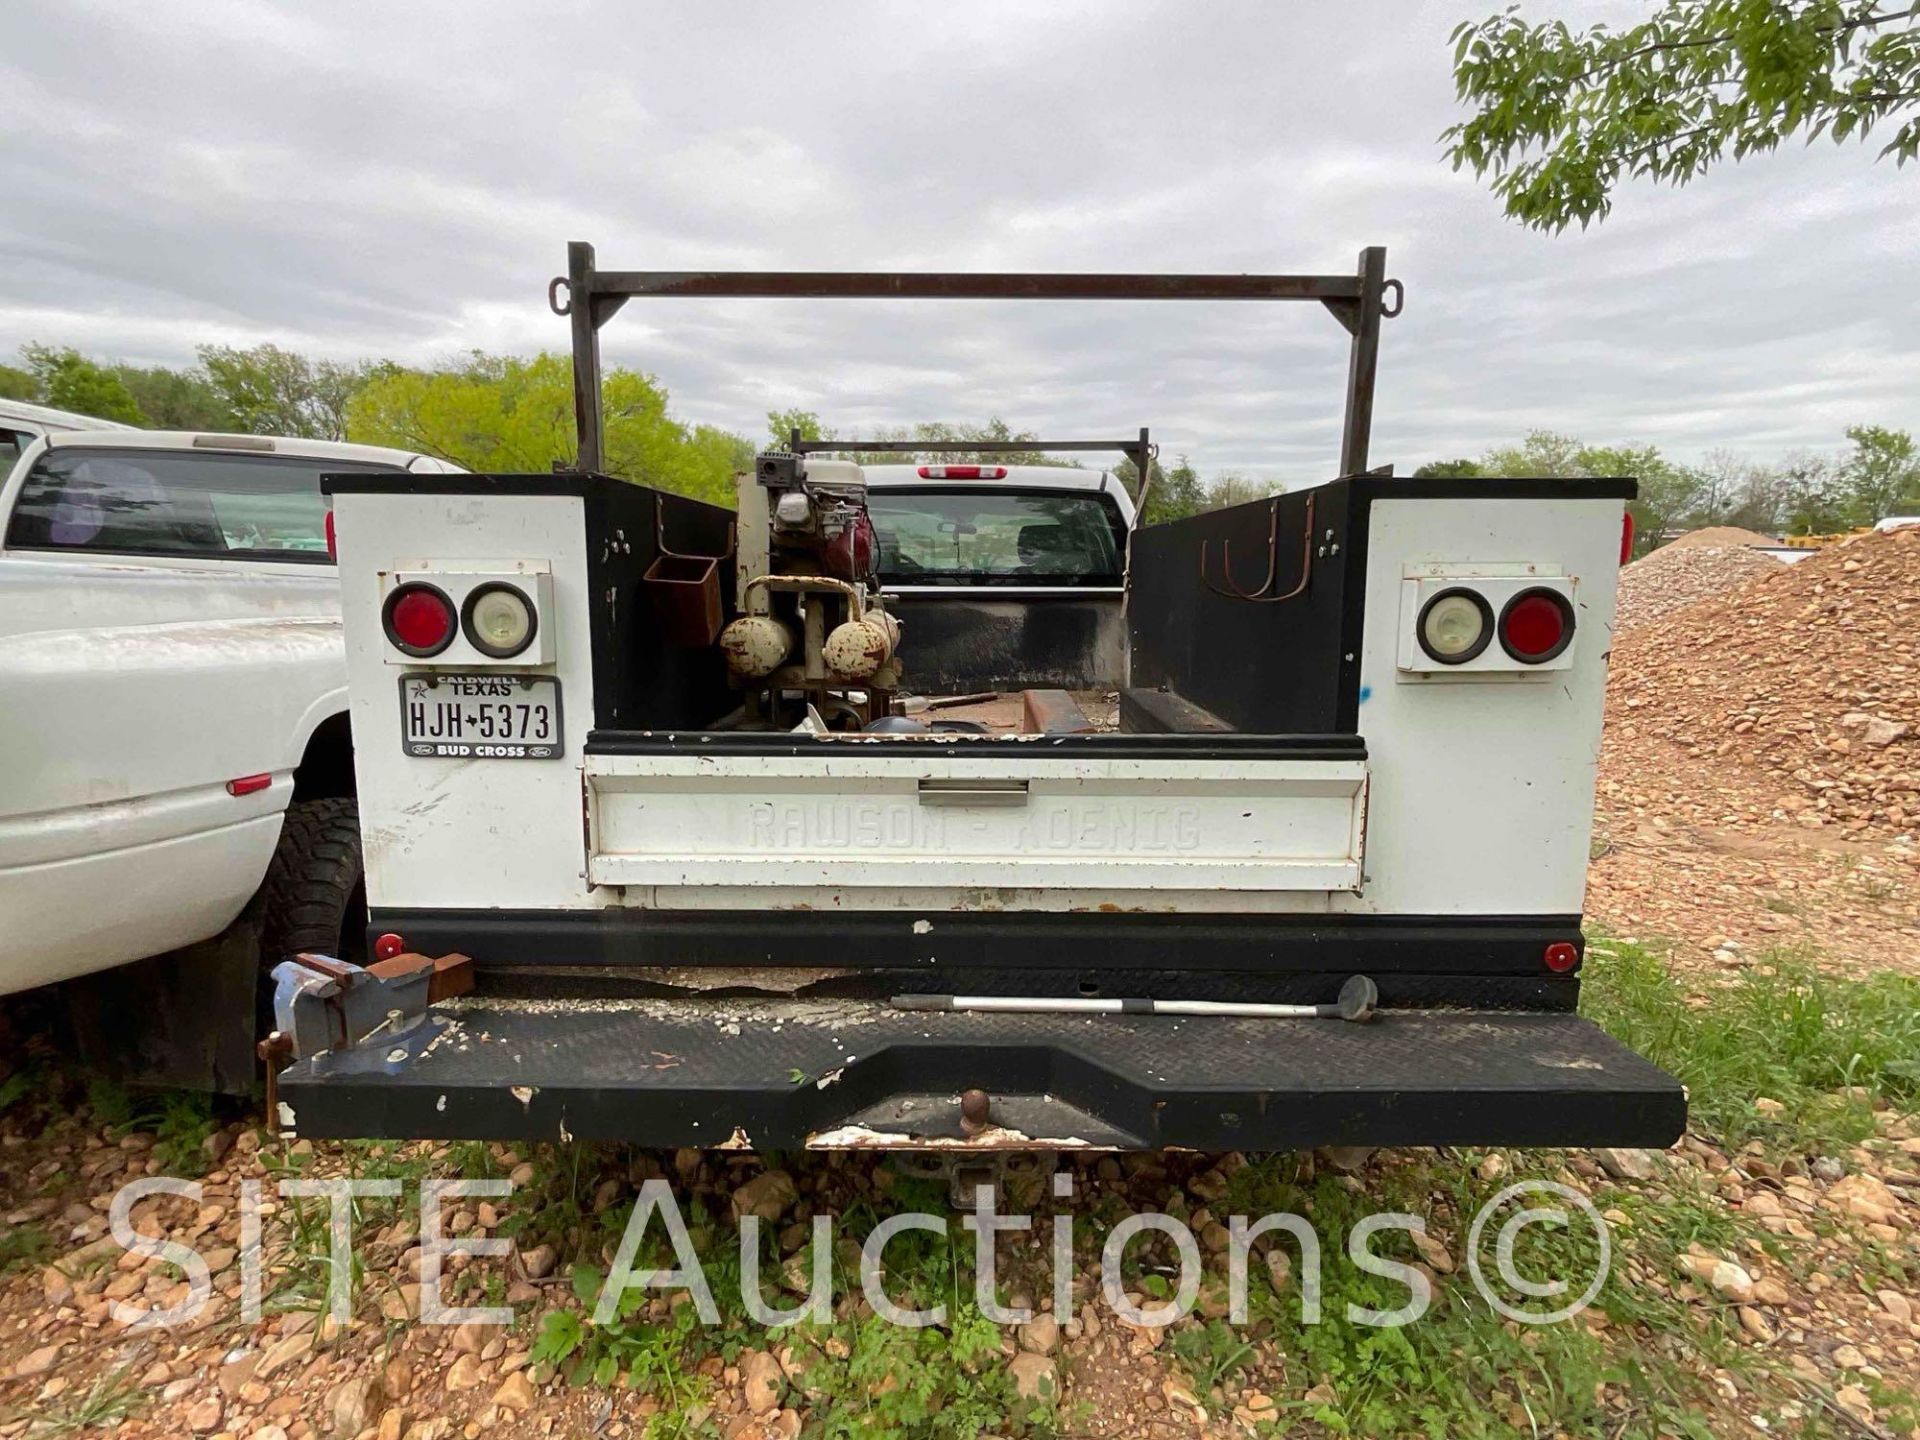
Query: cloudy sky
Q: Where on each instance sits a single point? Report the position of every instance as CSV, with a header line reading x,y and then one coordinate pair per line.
x,y
361,179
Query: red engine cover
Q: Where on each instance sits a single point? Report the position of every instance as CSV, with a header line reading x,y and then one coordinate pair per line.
x,y
849,552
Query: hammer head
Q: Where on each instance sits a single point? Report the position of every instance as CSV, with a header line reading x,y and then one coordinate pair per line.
x,y
1358,998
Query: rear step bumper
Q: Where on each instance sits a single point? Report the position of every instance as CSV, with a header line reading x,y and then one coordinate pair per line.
x,y
795,1074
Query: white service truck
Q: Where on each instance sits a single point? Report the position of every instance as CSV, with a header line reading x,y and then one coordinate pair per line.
x,y
655,852
175,721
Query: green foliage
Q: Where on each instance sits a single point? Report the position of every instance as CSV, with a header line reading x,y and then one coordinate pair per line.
x,y
497,413
1171,494
1448,470
68,380
1782,1030
1560,117
1668,492
1882,474
271,391
781,425
103,1405
1233,488
177,399
23,1247
18,384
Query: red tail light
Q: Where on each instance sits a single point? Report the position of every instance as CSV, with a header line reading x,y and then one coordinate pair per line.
x,y
333,545
1536,626
1626,536
419,619
963,472
1561,956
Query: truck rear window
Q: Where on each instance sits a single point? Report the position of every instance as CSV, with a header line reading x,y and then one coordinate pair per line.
x,y
972,536
176,502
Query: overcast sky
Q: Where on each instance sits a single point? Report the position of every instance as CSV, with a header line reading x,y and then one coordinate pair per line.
x,y
381,179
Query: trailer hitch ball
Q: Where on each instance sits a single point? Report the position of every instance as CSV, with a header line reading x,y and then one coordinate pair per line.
x,y
973,1111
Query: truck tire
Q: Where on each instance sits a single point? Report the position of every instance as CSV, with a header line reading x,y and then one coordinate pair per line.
x,y
315,891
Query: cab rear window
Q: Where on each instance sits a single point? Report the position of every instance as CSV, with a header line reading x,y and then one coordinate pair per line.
x,y
973,536
176,502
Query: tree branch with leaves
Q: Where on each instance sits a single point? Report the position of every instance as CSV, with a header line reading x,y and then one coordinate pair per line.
x,y
1562,117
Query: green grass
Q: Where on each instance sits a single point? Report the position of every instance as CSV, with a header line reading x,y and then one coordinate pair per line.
x,y
1780,1030
23,1246
111,1399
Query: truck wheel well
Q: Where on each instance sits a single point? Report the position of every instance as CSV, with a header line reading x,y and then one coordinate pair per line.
x,y
326,769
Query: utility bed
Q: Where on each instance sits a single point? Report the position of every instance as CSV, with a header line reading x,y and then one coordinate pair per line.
x,y
666,842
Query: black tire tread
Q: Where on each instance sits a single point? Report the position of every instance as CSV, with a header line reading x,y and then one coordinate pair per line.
x,y
311,880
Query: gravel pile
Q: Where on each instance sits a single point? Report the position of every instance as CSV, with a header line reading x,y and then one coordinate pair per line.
x,y
1685,573
1802,690
1718,537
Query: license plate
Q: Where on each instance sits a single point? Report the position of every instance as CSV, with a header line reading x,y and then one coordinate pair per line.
x,y
481,717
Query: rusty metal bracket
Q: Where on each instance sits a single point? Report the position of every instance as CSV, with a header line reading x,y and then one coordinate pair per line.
x,y
1258,595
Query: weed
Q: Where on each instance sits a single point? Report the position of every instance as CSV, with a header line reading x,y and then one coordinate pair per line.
x,y
23,1246
111,1399
1825,1048
16,1087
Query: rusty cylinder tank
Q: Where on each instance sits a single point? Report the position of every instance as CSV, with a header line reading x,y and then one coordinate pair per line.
x,y
857,649
756,646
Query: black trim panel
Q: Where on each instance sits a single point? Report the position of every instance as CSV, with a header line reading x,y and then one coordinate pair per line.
x,y
1111,745
963,941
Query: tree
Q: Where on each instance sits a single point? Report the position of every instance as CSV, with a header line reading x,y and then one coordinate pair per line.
x,y
177,399
502,414
1668,494
18,384
270,391
1448,470
781,425
70,381
1816,504
1561,117
1236,489
1171,494
1542,453
1881,475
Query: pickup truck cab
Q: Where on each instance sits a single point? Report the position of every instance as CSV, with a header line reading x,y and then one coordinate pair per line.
x,y
175,683
1009,577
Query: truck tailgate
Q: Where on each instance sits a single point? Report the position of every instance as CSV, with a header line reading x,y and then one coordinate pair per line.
x,y
780,1074
1013,815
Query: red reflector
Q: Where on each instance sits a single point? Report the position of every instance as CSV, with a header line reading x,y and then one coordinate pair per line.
x,y
1561,957
419,619
248,784
388,946
1536,626
333,544
963,472
1626,536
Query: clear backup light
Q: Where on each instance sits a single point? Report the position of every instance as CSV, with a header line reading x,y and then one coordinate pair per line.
x,y
1455,626
418,620
499,620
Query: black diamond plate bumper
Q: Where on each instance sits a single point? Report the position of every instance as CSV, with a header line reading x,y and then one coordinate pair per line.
x,y
766,1074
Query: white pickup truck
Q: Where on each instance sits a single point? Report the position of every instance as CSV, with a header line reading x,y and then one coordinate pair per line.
x,y
175,714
